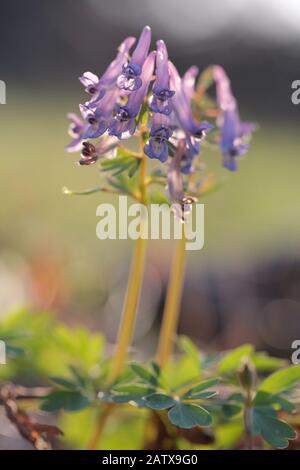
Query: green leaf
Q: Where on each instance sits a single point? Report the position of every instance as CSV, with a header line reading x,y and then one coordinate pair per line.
x,y
134,167
81,379
78,346
65,383
132,389
281,380
144,374
229,410
158,197
66,400
189,348
159,401
231,360
264,362
122,162
284,404
233,404
156,369
124,183
188,416
202,395
275,431
202,386
236,397
267,399
125,398
127,393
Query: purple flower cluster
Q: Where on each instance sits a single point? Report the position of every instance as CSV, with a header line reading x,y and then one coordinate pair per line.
x,y
116,99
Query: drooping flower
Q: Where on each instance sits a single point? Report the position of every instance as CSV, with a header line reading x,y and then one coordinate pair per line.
x,y
76,130
160,132
189,80
180,202
90,153
97,87
234,133
130,78
161,100
191,150
124,121
183,109
191,131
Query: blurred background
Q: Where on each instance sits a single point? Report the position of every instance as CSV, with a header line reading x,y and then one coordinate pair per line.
x,y
244,286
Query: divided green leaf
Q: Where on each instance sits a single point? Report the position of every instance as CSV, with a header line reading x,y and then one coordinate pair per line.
x,y
188,416
159,401
65,400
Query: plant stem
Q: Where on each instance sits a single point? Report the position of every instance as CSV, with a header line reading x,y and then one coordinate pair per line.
x,y
94,441
172,305
133,291
129,313
247,421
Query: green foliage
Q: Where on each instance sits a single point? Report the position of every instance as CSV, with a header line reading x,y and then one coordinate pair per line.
x,y
68,400
261,402
281,380
158,197
124,161
151,390
124,183
275,431
159,401
187,416
198,389
195,391
231,361
145,375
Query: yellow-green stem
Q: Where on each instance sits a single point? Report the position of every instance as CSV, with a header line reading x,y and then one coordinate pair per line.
x,y
95,439
129,310
133,292
172,305
129,313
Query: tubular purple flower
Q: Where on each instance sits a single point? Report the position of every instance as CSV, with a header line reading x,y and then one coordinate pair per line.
x,y
130,77
160,132
234,133
124,121
191,150
76,130
161,99
180,202
99,118
96,86
182,107
191,131
90,153
189,80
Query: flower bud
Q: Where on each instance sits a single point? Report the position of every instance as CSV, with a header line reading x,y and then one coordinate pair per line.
x,y
247,374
